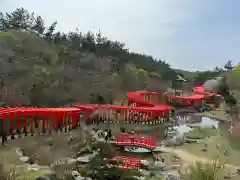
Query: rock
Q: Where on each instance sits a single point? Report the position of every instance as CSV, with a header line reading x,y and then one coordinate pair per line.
x,y
19,152
84,159
144,173
65,160
79,178
145,162
75,173
24,158
42,178
33,167
139,178
83,151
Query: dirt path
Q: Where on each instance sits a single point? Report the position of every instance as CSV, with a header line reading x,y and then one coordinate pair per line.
x,y
190,158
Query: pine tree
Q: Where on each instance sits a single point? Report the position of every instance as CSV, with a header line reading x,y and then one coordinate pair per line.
x,y
38,26
50,30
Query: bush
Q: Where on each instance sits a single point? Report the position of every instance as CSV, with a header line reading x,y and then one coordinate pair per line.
x,y
200,171
231,100
234,142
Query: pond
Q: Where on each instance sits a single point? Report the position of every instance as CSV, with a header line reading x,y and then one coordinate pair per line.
x,y
181,124
185,124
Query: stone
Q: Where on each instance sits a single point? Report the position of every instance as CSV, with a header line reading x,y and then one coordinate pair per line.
x,y
75,173
19,152
42,178
33,167
24,159
79,178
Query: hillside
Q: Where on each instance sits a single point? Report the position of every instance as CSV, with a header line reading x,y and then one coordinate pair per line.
x,y
43,67
187,74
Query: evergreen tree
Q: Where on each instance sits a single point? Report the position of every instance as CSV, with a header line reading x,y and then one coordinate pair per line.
x,y
228,65
50,30
38,26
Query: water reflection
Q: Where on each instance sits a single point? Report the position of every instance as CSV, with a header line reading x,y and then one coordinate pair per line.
x,y
208,122
183,124
176,131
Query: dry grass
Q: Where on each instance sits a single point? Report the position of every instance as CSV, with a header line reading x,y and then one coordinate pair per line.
x,y
45,150
212,151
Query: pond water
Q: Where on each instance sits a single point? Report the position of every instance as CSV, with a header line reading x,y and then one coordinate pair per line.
x,y
183,123
181,126
208,122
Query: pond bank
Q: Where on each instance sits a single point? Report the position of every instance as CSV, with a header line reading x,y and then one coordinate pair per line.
x,y
217,115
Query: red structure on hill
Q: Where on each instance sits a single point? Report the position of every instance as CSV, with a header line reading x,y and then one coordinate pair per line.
x,y
25,119
140,109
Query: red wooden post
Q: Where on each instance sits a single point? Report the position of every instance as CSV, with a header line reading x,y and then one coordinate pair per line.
x,y
11,116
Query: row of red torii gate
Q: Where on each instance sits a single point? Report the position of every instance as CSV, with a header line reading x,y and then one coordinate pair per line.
x,y
141,109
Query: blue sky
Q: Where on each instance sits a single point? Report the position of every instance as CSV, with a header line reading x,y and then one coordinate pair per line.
x,y
188,34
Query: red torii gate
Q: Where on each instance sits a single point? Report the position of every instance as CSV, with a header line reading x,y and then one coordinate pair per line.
x,y
158,112
209,97
145,98
52,119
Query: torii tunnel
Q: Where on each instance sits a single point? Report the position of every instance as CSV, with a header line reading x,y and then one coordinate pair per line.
x,y
47,120
141,109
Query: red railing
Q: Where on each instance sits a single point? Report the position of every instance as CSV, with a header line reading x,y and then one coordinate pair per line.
x,y
128,162
135,140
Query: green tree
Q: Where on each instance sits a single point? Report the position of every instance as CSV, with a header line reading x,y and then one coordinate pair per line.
x,y
228,65
38,25
88,42
98,167
86,59
237,69
142,76
3,23
224,90
201,77
20,19
50,30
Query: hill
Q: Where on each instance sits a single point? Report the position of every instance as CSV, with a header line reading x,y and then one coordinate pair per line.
x,y
44,67
186,74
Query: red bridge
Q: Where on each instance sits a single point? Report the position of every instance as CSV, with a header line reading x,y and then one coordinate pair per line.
x,y
139,141
128,162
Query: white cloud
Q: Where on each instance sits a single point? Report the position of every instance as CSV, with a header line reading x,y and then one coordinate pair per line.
x,y
134,22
